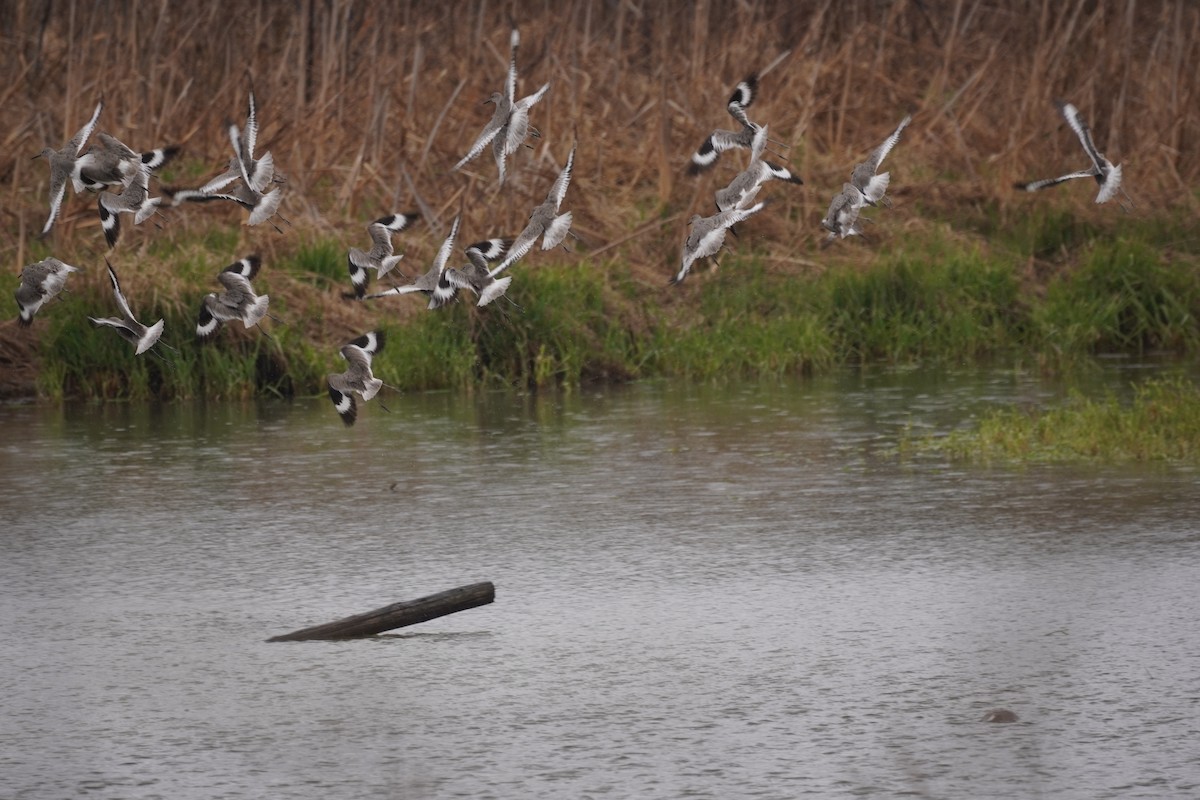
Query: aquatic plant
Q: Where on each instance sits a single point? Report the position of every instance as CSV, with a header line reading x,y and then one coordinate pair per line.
x,y
1160,423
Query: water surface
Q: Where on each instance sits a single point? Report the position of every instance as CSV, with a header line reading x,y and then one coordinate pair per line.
x,y
701,592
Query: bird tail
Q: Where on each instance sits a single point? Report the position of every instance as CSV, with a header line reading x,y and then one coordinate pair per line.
x,y
877,187
257,311
494,290
556,231
371,388
151,336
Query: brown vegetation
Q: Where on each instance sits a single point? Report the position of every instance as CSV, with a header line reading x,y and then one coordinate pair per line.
x,y
366,105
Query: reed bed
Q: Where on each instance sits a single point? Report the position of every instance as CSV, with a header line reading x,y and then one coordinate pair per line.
x,y
366,105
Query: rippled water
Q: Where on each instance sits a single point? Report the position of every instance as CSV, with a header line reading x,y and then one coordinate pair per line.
x,y
700,593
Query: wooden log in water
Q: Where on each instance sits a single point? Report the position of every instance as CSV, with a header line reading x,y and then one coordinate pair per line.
x,y
398,615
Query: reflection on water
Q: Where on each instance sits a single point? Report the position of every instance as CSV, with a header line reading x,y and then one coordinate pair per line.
x,y
705,592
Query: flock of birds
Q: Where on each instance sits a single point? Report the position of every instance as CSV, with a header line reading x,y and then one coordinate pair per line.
x,y
867,185
251,182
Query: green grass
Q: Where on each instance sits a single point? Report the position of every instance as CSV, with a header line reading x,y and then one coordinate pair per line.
x,y
1160,424
83,361
1124,297
930,296
324,260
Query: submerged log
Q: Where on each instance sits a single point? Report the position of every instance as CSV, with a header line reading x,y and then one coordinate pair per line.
x,y
397,615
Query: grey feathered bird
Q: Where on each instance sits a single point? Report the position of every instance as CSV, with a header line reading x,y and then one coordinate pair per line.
x,y
476,276
1106,174
864,178
544,221
357,378
509,126
40,283
142,337
433,283
721,140
111,162
708,235
742,189
237,303
64,165
381,256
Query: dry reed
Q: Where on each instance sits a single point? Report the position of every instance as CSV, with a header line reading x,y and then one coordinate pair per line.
x,y
366,105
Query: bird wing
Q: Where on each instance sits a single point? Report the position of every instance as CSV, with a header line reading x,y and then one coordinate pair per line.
x,y
246,267
343,402
743,96
236,284
58,188
371,342
262,171
381,231
110,219
510,79
122,303
498,120
358,357
1071,115
443,253
880,153
207,323
235,138
717,142
1033,186
250,137
224,179
480,254
522,244
116,147
75,145
406,289
559,190
198,196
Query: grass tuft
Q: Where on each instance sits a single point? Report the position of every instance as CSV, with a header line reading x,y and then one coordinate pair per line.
x,y
1161,423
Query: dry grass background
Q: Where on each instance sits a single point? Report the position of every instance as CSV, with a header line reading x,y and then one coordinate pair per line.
x,y
366,105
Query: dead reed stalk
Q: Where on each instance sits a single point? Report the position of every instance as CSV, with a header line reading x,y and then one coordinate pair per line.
x,y
367,104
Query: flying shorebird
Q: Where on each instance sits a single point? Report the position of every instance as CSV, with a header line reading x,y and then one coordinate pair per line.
x,y
134,200
111,162
249,193
742,190
1105,173
127,326
708,235
476,276
258,172
864,178
433,283
40,283
842,218
64,164
509,125
721,140
380,257
237,302
544,221
357,377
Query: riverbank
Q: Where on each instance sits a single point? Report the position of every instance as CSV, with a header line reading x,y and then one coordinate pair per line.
x,y
1049,292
